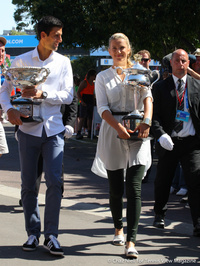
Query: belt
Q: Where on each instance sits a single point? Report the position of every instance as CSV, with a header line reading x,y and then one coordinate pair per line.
x,y
120,113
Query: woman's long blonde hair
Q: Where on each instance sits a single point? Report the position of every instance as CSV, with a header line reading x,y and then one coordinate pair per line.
x,y
116,36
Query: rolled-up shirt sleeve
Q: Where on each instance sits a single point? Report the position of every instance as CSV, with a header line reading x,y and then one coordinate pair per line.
x,y
5,92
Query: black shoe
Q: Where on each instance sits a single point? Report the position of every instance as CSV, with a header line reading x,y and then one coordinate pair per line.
x,y
20,202
79,136
31,244
53,246
145,180
196,231
184,200
159,221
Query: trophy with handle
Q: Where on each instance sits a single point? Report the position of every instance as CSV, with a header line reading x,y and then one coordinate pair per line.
x,y
138,77
27,77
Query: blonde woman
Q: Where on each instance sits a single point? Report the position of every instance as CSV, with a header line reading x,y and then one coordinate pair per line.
x,y
115,152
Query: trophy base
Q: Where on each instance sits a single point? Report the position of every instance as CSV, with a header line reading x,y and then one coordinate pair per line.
x,y
31,119
28,107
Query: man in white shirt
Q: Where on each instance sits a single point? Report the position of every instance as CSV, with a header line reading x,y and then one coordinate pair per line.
x,y
47,137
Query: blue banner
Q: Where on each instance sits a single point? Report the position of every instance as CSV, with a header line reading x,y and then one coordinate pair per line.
x,y
21,41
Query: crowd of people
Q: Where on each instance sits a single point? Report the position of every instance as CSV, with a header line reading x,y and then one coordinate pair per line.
x,y
170,108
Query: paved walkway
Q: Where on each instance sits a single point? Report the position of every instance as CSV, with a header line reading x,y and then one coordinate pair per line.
x,y
86,227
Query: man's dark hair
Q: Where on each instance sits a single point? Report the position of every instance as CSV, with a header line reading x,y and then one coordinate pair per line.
x,y
46,24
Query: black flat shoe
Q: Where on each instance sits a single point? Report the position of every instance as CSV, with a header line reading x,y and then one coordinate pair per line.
x,y
196,231
159,221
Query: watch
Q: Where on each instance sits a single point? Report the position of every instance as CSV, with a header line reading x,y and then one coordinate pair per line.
x,y
146,121
44,95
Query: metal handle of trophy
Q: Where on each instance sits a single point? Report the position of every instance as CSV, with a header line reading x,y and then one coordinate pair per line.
x,y
155,73
46,72
42,77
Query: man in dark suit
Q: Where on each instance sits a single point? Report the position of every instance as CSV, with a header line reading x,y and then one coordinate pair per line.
x,y
176,127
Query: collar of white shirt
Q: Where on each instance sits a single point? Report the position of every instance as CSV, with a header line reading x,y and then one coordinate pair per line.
x,y
176,79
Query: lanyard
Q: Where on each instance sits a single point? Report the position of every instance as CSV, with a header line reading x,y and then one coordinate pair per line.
x,y
186,99
180,100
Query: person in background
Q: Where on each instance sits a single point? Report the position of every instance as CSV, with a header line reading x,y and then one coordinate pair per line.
x,y
3,142
196,65
146,58
176,127
76,85
194,69
115,151
145,61
3,42
86,97
165,74
47,137
178,184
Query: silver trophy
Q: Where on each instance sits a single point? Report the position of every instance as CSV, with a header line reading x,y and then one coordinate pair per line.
x,y
139,78
25,77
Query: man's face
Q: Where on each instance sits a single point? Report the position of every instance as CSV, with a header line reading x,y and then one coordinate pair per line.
x,y
196,65
2,52
52,41
180,63
145,61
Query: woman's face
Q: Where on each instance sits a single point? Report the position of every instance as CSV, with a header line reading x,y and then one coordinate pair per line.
x,y
119,51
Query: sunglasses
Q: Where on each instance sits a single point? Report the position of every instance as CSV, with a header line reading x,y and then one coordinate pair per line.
x,y
145,59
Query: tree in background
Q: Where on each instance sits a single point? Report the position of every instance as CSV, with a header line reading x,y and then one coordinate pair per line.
x,y
81,65
15,32
159,26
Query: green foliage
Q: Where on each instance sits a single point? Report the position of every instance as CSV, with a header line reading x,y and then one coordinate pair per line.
x,y
159,26
81,65
6,63
14,32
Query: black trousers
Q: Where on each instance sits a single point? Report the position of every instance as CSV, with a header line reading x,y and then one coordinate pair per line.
x,y
134,177
187,151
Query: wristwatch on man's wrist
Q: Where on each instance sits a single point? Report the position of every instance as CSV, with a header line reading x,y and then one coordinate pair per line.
x,y
44,95
146,121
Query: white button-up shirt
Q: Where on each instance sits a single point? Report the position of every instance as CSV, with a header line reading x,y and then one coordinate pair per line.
x,y
188,128
58,85
113,153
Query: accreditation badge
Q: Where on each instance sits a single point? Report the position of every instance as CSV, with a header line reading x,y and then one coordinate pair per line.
x,y
182,116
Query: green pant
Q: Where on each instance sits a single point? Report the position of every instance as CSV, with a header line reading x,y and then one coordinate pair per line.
x,y
134,177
